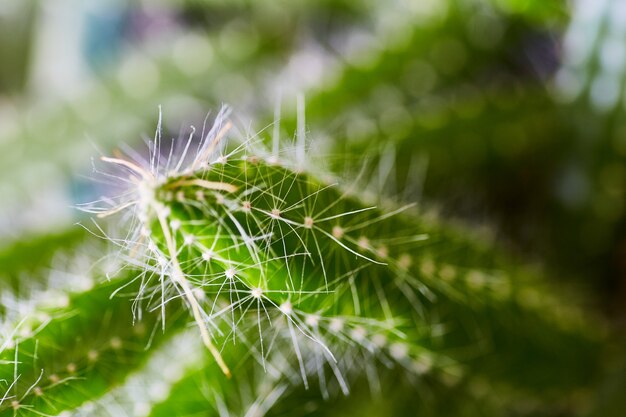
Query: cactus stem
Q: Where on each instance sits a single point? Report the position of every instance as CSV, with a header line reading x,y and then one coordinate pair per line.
x,y
188,293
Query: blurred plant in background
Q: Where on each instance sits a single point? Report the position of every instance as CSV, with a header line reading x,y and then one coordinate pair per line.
x,y
469,154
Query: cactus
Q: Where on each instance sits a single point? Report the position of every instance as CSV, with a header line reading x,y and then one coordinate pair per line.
x,y
235,275
289,275
79,355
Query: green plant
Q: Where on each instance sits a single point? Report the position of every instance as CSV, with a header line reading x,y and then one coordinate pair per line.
x,y
234,273
294,281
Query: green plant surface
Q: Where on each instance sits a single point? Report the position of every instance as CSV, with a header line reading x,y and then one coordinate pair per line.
x,y
485,142
152,382
452,165
249,243
18,257
387,391
315,285
63,357
42,272
366,234
480,138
